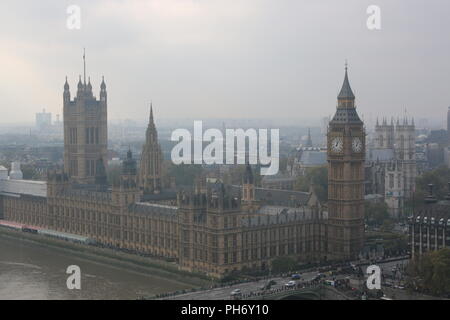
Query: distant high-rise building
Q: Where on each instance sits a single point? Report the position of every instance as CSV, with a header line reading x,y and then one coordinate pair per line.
x,y
85,131
43,120
309,143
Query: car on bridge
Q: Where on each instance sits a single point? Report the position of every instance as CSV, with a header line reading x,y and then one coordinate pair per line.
x,y
330,283
236,292
290,284
296,276
268,285
318,277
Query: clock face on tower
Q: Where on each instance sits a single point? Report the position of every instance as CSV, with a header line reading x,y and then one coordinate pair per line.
x,y
357,145
337,145
346,154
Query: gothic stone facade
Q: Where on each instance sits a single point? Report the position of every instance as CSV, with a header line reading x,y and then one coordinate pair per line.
x,y
346,156
214,229
212,232
85,132
391,167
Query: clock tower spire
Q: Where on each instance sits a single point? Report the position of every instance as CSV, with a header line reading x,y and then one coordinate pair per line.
x,y
346,155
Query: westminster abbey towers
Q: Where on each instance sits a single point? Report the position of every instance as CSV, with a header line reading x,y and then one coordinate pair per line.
x,y
346,155
85,133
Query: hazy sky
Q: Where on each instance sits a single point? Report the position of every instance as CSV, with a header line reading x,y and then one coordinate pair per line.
x,y
227,58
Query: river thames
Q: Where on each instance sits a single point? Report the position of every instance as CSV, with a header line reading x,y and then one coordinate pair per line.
x,y
30,271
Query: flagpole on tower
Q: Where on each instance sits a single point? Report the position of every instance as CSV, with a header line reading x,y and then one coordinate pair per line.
x,y
84,63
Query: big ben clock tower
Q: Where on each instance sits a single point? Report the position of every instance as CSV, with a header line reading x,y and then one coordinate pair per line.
x,y
346,155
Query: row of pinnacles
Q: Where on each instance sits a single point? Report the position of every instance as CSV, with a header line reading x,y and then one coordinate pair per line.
x,y
217,197
84,90
397,135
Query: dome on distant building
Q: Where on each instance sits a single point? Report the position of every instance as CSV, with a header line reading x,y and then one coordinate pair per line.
x,y
3,173
16,173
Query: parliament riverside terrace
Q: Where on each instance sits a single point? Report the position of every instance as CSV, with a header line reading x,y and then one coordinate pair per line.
x,y
211,228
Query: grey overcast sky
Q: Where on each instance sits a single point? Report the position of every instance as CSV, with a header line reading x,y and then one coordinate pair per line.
x,y
199,59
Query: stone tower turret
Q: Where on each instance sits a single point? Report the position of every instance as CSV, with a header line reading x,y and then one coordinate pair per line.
x,y
85,132
126,191
405,153
384,134
346,155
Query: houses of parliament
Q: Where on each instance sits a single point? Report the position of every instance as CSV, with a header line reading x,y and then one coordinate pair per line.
x,y
211,228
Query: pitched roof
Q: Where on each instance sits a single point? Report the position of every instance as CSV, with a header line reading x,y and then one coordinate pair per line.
x,y
346,90
346,115
277,197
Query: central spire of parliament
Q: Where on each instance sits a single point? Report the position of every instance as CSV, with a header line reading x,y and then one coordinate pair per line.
x,y
151,159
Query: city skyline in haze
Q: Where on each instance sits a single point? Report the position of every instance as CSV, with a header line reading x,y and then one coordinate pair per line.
x,y
199,59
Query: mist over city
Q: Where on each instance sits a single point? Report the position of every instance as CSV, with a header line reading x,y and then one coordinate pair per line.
x,y
178,151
